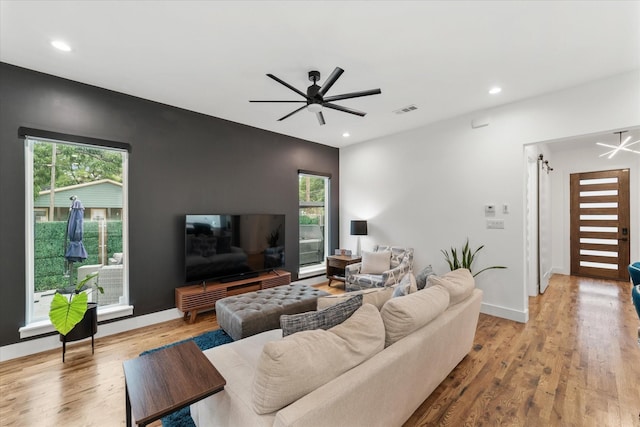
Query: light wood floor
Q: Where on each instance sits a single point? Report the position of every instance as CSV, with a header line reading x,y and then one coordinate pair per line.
x,y
576,363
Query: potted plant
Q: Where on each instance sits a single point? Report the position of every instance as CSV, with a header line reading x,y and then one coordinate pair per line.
x,y
466,260
74,317
64,312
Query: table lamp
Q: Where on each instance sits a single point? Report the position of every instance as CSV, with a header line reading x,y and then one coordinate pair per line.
x,y
358,228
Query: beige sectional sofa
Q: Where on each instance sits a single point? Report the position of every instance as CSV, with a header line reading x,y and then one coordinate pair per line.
x,y
374,369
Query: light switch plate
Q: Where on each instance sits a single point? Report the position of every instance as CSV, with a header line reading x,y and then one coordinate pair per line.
x,y
490,209
495,224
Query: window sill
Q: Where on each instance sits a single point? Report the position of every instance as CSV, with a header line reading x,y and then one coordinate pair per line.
x,y
44,326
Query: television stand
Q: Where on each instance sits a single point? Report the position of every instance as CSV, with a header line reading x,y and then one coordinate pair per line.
x,y
197,298
238,277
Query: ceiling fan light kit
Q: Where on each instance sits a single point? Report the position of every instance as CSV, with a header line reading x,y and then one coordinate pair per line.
x,y
315,98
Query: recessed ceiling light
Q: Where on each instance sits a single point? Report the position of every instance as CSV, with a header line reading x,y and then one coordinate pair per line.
x,y
60,45
346,134
495,90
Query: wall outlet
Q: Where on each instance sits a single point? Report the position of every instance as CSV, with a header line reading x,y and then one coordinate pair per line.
x,y
495,224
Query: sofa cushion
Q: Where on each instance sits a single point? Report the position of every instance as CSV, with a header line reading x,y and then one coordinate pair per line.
x,y
459,283
300,363
375,296
402,316
375,262
406,286
323,319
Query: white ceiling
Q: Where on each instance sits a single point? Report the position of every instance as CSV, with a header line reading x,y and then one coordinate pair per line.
x,y
212,56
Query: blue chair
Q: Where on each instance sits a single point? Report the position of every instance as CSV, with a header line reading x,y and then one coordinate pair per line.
x,y
634,273
635,295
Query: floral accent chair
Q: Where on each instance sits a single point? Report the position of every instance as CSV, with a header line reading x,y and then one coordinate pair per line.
x,y
401,262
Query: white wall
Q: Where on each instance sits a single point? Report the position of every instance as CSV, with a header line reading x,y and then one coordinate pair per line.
x,y
567,162
427,188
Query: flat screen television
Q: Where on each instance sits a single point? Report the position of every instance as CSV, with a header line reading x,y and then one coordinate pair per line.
x,y
222,247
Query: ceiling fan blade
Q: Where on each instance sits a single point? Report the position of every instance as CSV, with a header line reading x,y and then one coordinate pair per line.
x,y
330,80
282,82
353,95
320,118
279,101
344,109
292,113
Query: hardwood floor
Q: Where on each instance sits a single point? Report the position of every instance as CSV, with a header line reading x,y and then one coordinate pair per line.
x,y
576,363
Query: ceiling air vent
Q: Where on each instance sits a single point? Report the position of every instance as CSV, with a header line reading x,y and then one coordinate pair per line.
x,y
406,109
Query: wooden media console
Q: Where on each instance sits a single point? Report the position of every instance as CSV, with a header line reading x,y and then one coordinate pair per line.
x,y
192,299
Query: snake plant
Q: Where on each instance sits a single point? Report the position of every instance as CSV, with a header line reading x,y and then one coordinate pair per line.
x,y
467,256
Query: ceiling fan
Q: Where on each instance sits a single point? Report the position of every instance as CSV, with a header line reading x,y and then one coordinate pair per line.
x,y
622,145
315,98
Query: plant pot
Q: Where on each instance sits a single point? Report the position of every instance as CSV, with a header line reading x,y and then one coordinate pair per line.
x,y
86,328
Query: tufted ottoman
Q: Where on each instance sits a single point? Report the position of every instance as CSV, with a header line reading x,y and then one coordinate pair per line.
x,y
248,314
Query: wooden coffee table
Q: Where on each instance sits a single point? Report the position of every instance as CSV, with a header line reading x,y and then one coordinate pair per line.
x,y
167,380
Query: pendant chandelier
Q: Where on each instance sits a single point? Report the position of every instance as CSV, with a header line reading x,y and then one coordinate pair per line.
x,y
622,145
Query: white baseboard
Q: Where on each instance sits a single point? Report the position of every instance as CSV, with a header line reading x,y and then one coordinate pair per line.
x,y
505,313
33,346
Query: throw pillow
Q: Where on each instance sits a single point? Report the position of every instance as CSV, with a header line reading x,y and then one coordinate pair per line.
x,y
375,296
459,283
421,278
375,262
294,366
323,319
406,286
402,316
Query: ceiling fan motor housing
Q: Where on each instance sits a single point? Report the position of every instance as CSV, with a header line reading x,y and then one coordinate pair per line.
x,y
313,97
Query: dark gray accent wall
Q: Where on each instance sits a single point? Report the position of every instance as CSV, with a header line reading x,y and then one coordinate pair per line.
x,y
180,162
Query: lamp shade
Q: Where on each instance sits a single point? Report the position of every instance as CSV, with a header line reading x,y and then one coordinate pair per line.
x,y
358,228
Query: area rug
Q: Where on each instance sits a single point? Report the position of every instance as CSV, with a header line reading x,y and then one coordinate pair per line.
x,y
182,418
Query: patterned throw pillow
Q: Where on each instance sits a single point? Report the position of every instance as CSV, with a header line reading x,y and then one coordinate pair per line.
x,y
421,278
373,296
406,286
323,319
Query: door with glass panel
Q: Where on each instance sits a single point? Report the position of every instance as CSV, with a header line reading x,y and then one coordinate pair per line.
x,y
313,190
600,234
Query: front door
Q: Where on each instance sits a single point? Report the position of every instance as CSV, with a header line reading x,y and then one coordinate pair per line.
x,y
600,232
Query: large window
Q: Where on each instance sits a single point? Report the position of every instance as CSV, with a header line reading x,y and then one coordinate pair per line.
x,y
313,191
59,174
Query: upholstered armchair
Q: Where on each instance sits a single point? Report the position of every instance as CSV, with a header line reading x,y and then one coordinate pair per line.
x,y
400,263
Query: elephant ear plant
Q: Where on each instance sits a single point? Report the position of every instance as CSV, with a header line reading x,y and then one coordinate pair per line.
x,y
65,313
466,260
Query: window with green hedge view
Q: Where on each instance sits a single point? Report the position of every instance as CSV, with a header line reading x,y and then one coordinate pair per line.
x,y
60,172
